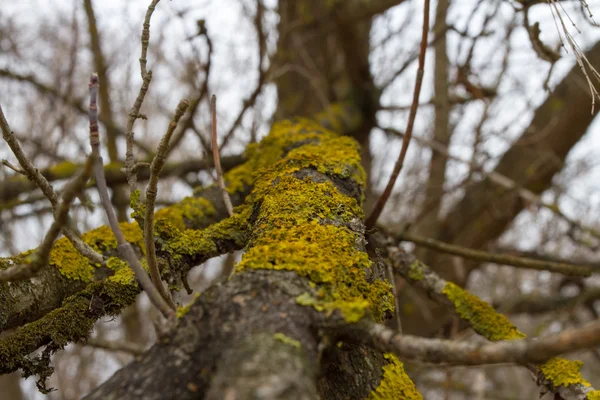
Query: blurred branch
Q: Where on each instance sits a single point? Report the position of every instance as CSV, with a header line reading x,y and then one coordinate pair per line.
x,y
34,175
505,182
124,346
40,257
263,73
14,186
503,259
76,104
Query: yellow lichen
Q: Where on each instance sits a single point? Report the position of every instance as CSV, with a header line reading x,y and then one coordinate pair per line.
x,y
483,318
495,326
286,339
70,262
593,395
301,225
562,372
190,210
394,384
415,271
73,265
123,273
183,310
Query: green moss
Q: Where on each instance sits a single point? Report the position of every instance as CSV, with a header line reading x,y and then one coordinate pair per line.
x,y
394,384
287,340
415,271
562,372
483,318
203,242
72,322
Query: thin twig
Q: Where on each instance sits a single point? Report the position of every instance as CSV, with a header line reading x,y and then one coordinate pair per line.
x,y
134,113
41,255
35,176
263,73
18,170
124,247
503,259
378,208
146,36
215,147
151,191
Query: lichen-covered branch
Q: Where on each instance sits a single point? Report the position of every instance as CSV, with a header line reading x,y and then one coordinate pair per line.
x,y
304,265
442,351
558,375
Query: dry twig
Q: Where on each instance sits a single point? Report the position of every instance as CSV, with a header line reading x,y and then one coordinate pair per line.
x,y
378,208
124,247
134,113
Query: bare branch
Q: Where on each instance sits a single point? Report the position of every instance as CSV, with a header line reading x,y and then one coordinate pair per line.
x,y
135,109
437,351
125,249
378,208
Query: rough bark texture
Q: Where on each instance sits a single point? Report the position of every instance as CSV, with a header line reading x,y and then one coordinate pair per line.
x,y
226,345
